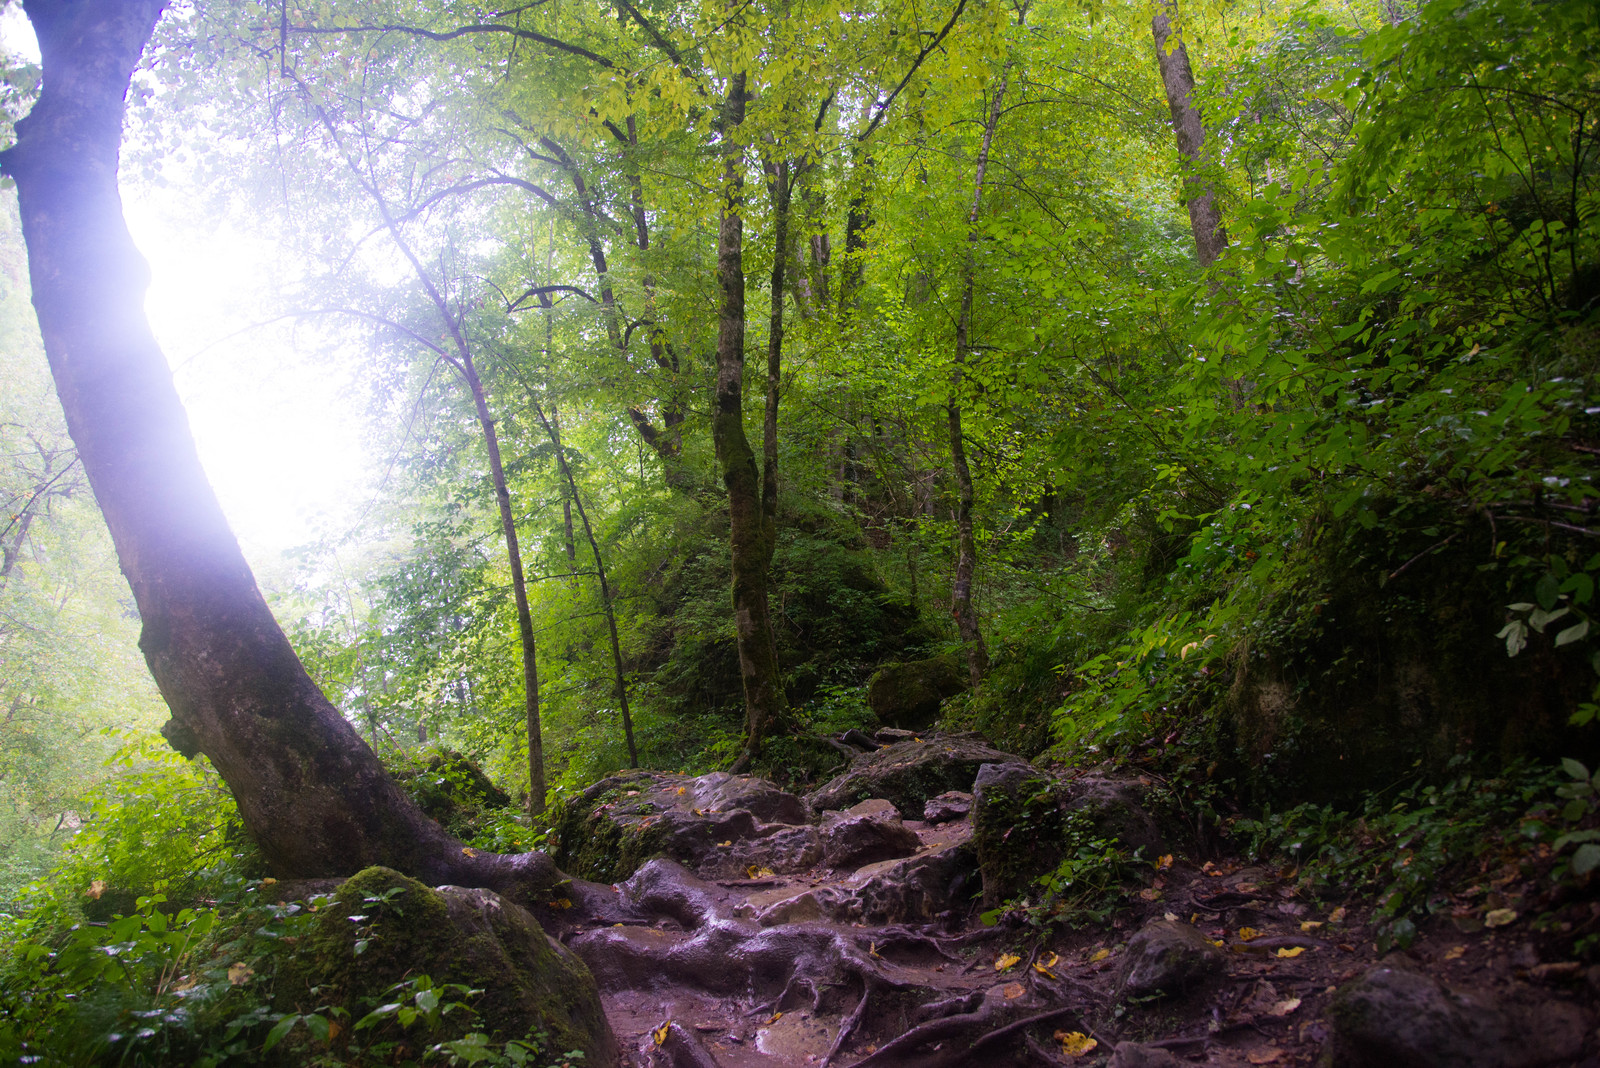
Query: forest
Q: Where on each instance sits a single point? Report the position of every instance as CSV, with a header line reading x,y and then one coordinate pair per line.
x,y
807,444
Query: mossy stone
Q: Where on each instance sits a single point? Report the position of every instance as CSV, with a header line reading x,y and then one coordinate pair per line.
x,y
452,935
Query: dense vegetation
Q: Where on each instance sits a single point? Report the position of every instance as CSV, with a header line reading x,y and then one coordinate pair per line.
x,y
1312,519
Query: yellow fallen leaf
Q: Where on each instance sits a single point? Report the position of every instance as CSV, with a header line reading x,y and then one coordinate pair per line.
x,y
1164,863
1500,917
1293,952
1099,955
1054,959
775,1017
872,950
1284,1008
682,790
561,903
1455,953
1006,961
240,974
1219,943
1337,915
1075,1043
333,1029
618,925
1264,1056
725,845
756,871
468,851
1248,933
1042,969
268,881
96,888
660,1033
1310,925
1012,991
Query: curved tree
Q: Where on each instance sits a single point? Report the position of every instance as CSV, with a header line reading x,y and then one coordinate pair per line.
x,y
311,792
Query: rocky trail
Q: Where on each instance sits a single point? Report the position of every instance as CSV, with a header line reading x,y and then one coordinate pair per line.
x,y
729,923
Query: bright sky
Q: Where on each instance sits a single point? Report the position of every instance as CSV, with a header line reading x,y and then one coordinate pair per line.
x,y
276,430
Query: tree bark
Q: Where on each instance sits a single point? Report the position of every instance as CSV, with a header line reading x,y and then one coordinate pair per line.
x,y
1205,217
310,791
961,606
749,537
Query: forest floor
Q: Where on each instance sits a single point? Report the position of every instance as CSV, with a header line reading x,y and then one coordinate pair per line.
x,y
737,972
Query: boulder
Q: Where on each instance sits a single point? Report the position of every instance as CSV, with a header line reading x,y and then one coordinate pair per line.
x,y
1003,794
909,694
1166,957
1023,817
916,889
1398,1018
950,805
909,772
382,928
721,792
850,840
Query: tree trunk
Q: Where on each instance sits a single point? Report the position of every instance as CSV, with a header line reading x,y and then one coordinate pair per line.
x,y
961,607
519,583
1205,218
311,792
748,535
600,569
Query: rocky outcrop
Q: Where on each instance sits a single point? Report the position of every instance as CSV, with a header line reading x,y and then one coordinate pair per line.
x,y
1397,1018
950,805
381,928
909,772
909,694
720,826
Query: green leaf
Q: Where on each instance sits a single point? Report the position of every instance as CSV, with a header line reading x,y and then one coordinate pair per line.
x,y
1573,633
1575,768
1548,591
281,1028
1586,859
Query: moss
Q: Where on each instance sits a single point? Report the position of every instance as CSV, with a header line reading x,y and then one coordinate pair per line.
x,y
909,694
382,927
592,841
1017,833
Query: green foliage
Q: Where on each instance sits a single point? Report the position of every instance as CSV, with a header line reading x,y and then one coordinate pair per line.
x,y
1404,845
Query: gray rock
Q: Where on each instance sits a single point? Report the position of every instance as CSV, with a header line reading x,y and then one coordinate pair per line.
x,y
1392,1017
1136,1055
721,792
850,841
1166,957
950,805
913,890
876,807
1117,806
908,773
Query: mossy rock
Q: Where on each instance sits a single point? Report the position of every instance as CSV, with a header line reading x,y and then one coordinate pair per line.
x,y
909,694
1018,823
591,844
382,927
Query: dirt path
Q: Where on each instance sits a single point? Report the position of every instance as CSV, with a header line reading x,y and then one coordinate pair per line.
x,y
759,949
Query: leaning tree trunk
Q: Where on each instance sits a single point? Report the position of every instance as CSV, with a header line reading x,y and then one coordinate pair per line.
x,y
748,535
1205,217
312,794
